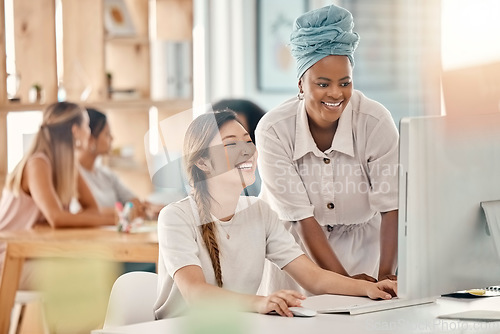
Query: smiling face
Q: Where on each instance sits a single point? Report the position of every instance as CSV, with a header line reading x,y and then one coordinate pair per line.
x,y
232,156
327,88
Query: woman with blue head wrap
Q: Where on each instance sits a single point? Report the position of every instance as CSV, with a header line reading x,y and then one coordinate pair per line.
x,y
328,157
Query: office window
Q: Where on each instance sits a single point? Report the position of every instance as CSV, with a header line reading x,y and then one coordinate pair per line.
x,y
21,128
470,32
398,60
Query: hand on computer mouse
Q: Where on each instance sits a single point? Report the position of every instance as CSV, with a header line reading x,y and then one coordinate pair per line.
x,y
279,302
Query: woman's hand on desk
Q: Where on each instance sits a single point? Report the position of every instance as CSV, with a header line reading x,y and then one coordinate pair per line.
x,y
385,289
138,209
153,210
110,212
145,210
279,301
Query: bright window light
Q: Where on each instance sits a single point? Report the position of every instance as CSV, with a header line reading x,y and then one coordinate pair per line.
x,y
21,129
153,131
470,31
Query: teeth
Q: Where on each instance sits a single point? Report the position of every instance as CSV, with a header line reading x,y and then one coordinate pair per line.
x,y
332,104
245,165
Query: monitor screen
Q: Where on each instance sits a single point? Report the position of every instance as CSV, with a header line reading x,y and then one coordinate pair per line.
x,y
448,166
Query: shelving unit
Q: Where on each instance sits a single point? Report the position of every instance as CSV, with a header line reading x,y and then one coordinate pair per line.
x,y
89,55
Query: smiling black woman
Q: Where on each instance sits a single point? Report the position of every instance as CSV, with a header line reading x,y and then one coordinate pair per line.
x,y
328,158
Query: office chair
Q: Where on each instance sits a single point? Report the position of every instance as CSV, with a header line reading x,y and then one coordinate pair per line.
x,y
131,299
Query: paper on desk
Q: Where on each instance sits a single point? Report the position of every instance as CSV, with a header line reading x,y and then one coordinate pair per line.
x,y
476,315
492,212
147,227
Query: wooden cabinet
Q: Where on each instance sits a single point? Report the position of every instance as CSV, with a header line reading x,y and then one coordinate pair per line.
x,y
65,44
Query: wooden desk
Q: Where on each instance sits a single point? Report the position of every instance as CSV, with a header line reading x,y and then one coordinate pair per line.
x,y
45,242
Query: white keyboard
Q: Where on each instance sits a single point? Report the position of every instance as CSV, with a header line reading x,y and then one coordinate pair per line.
x,y
359,305
378,305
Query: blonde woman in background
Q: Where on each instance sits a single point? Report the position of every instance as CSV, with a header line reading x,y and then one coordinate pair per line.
x,y
41,186
213,244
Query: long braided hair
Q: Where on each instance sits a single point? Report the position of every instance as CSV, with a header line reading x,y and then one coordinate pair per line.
x,y
196,143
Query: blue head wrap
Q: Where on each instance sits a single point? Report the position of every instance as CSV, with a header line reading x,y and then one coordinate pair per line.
x,y
322,32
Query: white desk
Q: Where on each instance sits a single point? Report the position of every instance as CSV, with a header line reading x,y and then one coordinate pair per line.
x,y
415,319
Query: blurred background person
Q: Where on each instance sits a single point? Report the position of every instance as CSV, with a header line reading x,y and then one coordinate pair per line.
x,y
41,186
104,183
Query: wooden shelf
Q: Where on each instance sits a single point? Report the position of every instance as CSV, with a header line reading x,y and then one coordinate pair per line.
x,y
127,40
174,105
177,105
16,106
89,56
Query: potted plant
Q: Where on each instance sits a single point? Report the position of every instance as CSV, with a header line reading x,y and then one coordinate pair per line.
x,y
36,93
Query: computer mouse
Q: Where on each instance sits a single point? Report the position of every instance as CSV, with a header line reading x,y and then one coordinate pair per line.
x,y
302,312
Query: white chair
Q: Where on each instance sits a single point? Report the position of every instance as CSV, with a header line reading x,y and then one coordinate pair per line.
x,y
131,299
23,298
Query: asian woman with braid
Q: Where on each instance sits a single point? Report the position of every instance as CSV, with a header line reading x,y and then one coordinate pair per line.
x,y
213,243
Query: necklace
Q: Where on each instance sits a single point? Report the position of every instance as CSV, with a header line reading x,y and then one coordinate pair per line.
x,y
228,236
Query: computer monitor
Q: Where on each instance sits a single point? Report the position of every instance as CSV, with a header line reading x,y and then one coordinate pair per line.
x,y
448,166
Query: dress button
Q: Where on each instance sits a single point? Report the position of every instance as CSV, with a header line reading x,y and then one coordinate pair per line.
x,y
326,160
330,206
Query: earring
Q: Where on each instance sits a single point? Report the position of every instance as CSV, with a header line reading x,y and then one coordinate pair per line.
x,y
78,143
300,95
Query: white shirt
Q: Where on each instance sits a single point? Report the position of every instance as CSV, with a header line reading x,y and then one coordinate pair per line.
x,y
255,234
106,186
351,182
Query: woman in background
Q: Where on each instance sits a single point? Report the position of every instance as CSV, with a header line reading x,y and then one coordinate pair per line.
x,y
213,243
41,186
328,157
105,185
249,115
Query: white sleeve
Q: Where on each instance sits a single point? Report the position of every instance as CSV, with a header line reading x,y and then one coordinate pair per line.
x,y
279,174
281,248
177,239
123,193
382,159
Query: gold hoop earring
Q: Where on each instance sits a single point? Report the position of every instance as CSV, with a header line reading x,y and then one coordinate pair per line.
x,y
300,96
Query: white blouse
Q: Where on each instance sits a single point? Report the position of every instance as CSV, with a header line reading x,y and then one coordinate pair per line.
x,y
350,183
